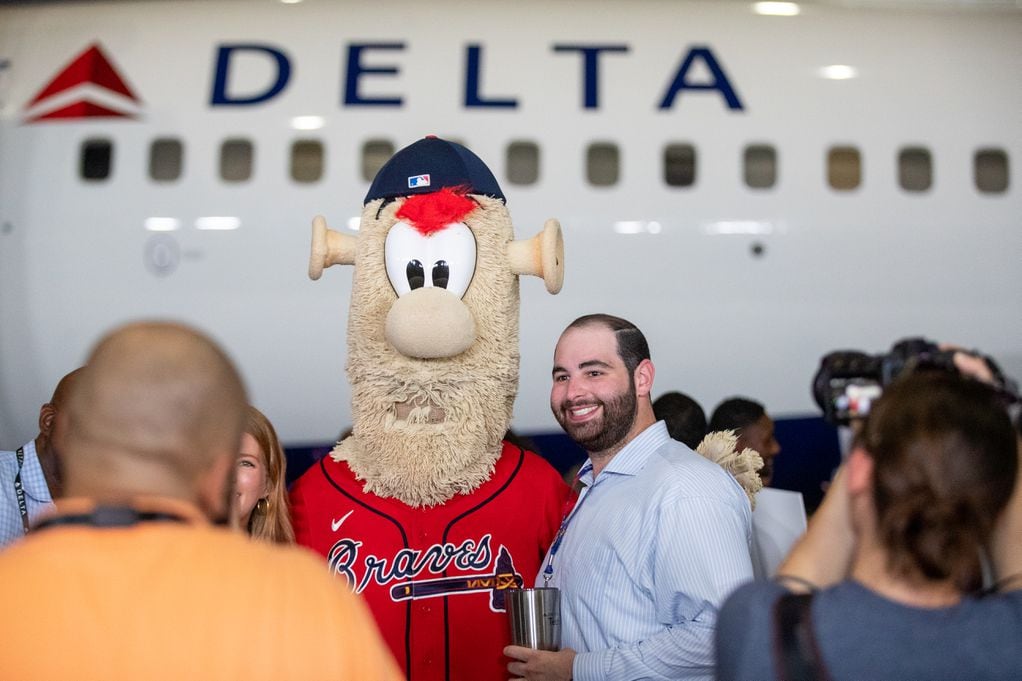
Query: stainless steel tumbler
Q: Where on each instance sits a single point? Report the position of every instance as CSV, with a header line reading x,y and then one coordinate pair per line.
x,y
535,617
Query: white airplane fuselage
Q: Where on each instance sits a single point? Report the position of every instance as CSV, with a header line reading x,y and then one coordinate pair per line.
x,y
739,289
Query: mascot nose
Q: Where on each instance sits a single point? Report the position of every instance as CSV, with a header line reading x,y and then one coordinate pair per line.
x,y
430,323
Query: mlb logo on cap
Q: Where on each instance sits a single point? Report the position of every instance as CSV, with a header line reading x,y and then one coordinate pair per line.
x,y
418,181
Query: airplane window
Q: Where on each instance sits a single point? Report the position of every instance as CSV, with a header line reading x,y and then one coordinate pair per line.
x,y
680,165
165,159
915,169
374,154
306,161
236,160
760,166
602,164
844,168
96,160
991,171
522,163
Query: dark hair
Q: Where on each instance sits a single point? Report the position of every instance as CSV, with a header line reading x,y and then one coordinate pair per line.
x,y
685,419
945,459
631,344
735,413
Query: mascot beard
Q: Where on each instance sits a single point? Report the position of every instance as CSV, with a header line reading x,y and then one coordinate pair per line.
x,y
427,429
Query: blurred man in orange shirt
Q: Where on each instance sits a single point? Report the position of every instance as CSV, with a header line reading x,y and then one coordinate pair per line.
x,y
131,578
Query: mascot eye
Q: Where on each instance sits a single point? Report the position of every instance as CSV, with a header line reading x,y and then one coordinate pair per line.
x,y
441,273
450,254
416,276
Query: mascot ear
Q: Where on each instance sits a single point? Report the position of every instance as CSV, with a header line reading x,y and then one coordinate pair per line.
x,y
329,248
542,255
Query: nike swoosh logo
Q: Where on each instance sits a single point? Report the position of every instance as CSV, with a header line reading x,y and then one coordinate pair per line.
x,y
336,524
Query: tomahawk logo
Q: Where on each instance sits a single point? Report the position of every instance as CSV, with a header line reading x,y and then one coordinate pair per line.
x,y
88,87
402,572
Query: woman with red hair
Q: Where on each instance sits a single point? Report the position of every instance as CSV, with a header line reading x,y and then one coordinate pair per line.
x,y
260,491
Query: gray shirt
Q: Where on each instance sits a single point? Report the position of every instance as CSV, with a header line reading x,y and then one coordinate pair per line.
x,y
863,636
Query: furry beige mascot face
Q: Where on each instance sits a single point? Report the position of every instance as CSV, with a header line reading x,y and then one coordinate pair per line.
x,y
433,327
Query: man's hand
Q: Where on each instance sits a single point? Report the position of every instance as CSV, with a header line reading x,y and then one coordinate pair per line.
x,y
540,665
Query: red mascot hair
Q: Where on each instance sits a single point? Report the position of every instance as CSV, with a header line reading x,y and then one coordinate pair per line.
x,y
432,212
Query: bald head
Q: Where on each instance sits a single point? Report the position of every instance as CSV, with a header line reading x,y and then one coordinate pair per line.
x,y
155,409
63,388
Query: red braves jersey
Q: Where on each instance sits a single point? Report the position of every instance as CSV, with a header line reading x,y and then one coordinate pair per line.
x,y
435,577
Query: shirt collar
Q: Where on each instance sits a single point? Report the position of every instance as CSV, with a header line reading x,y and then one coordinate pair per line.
x,y
633,456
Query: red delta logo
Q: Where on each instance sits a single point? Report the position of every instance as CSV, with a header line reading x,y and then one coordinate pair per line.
x,y
88,87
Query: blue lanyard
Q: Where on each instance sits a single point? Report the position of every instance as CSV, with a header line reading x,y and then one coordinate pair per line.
x,y
548,571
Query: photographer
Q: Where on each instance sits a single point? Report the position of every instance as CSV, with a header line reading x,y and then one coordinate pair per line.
x,y
891,560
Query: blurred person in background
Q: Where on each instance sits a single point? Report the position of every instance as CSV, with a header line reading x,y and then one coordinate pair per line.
x,y
31,477
132,576
754,427
685,419
260,487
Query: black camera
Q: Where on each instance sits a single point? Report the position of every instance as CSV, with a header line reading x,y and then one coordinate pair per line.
x,y
848,381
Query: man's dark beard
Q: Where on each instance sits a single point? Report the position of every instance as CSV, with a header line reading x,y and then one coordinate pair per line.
x,y
617,420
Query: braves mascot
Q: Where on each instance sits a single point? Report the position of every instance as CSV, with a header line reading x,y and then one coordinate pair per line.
x,y
424,509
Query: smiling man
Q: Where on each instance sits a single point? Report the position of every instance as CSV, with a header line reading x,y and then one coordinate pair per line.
x,y
658,538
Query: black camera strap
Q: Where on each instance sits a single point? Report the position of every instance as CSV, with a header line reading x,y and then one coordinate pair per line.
x,y
19,490
796,653
110,516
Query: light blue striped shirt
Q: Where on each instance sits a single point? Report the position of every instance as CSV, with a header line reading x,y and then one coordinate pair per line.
x,y
37,494
654,546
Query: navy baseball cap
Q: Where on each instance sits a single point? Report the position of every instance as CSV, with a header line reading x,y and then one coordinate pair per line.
x,y
429,165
